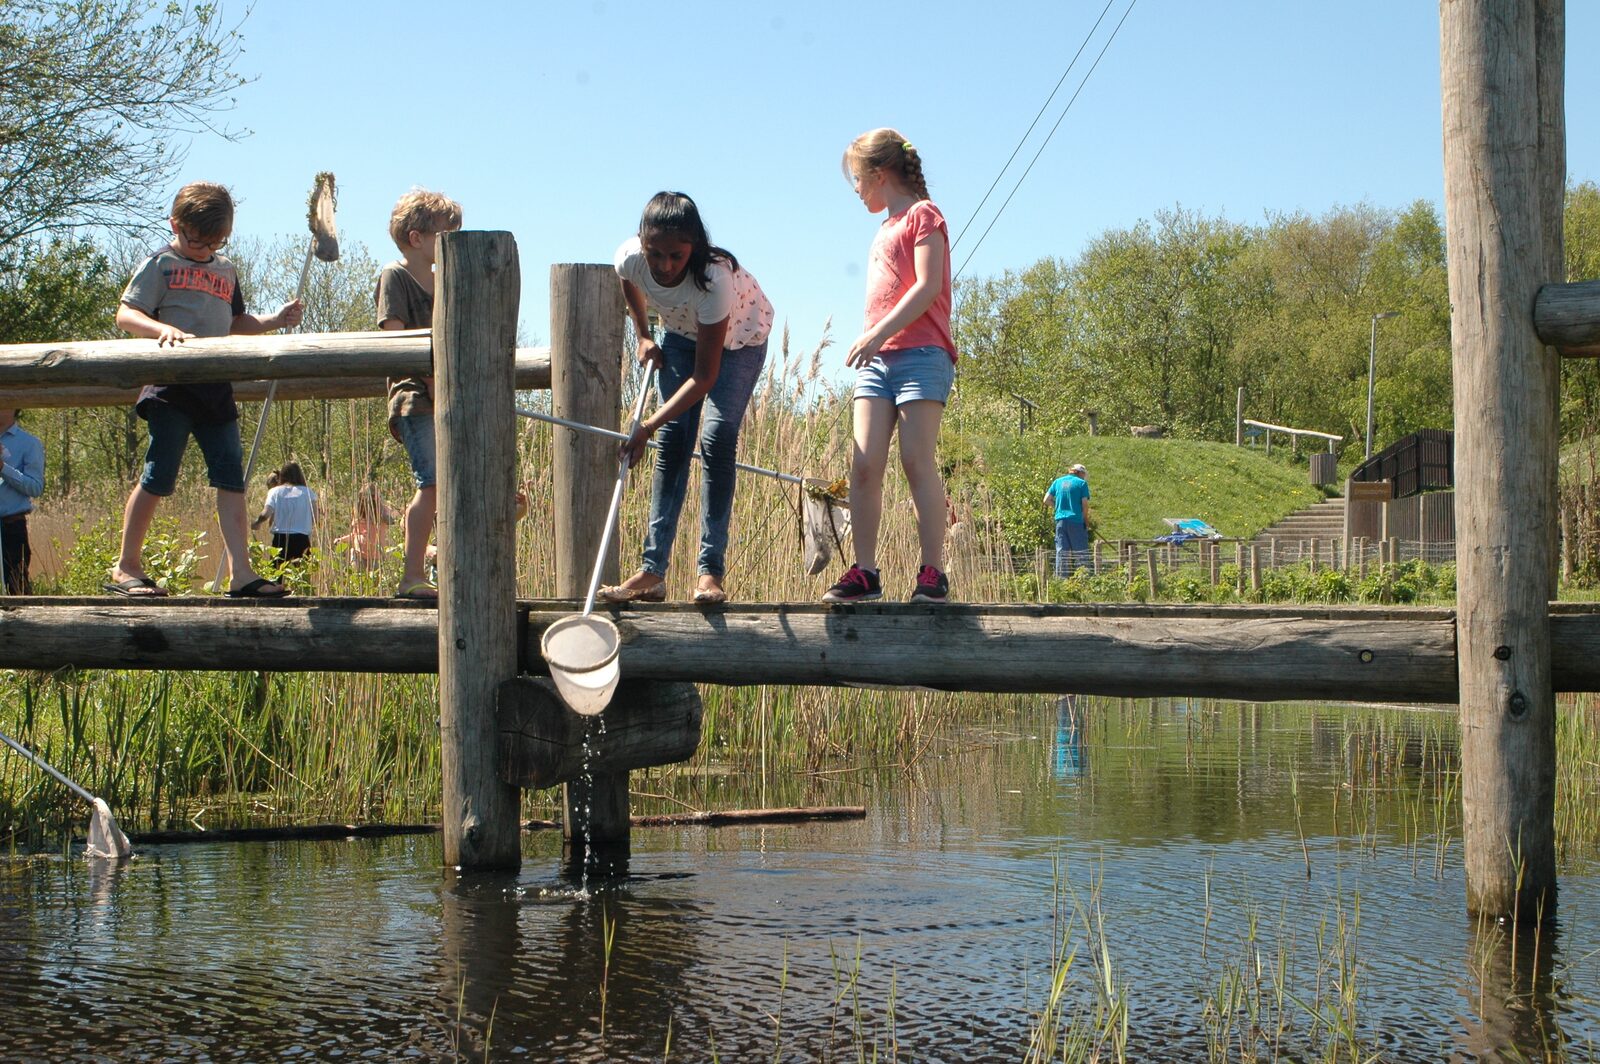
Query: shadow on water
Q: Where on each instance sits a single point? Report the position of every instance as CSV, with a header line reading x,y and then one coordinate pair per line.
x,y
1251,882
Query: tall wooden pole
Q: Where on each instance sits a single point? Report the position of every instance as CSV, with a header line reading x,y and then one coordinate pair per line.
x,y
586,352
1499,103
475,339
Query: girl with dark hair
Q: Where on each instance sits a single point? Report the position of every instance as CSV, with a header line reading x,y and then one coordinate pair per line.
x,y
291,506
716,321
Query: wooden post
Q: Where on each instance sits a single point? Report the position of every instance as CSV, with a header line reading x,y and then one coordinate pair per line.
x,y
1313,556
1501,69
1255,567
1214,561
1151,565
1095,557
475,338
1272,553
586,352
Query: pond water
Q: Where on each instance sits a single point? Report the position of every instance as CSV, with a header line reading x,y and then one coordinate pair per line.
x,y
1229,881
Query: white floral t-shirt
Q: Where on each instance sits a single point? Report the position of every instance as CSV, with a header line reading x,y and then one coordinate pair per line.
x,y
684,307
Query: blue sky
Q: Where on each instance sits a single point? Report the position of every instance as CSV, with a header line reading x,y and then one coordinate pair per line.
x,y
558,121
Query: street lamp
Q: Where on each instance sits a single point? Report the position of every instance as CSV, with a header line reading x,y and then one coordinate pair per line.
x,y
1372,361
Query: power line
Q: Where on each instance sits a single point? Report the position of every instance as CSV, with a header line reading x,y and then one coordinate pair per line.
x,y
1046,143
1029,132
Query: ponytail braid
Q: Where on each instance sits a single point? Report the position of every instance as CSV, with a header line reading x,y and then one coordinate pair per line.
x,y
911,171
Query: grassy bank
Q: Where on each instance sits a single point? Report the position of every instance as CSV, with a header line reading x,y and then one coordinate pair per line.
x,y
1135,483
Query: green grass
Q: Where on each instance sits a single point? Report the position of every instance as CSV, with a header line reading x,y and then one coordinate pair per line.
x,y
1135,483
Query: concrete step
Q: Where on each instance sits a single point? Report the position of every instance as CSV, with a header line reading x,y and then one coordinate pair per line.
x,y
1322,520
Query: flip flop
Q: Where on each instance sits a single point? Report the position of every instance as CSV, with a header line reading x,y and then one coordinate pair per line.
x,y
710,596
409,591
135,587
256,589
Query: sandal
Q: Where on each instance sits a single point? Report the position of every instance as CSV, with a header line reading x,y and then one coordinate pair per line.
x,y
418,591
134,587
618,594
710,596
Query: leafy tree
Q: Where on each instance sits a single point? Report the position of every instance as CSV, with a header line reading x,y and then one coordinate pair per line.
x,y
1580,377
62,288
96,98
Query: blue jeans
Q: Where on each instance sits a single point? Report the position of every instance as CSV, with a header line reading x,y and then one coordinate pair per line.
x,y
1072,545
724,409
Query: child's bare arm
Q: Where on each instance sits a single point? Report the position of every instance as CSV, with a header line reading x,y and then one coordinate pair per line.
x,y
135,322
639,310
287,317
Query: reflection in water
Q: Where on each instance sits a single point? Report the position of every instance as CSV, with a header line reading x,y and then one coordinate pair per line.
x,y
1512,992
925,931
1068,741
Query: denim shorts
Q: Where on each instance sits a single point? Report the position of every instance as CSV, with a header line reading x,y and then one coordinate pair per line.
x,y
416,432
906,376
170,429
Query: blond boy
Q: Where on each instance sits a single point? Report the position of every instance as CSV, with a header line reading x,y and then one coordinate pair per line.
x,y
405,301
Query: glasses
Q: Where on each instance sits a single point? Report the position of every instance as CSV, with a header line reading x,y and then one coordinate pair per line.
x,y
195,242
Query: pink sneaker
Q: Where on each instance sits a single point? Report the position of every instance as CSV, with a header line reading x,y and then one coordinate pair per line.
x,y
932,586
856,585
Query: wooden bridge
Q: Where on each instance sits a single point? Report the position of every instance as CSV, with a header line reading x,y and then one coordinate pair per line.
x,y
1503,653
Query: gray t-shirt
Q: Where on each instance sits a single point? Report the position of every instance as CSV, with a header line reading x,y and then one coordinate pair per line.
x,y
201,298
400,298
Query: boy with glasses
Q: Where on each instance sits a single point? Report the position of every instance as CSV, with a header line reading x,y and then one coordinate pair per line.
x,y
181,291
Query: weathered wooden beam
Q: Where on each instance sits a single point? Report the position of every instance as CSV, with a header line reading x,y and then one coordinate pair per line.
x,y
544,743
532,374
206,632
1567,317
1253,653
964,647
475,323
1500,76
131,363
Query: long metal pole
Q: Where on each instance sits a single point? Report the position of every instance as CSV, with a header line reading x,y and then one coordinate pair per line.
x,y
1372,365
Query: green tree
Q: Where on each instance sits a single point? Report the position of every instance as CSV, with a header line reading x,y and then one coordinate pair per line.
x,y
1580,377
96,99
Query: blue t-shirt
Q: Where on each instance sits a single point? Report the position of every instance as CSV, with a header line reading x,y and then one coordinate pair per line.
x,y
1070,493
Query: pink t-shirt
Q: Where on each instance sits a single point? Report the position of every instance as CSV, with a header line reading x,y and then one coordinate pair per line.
x,y
891,269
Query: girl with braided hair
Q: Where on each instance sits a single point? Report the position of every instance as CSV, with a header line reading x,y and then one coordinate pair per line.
x,y
904,361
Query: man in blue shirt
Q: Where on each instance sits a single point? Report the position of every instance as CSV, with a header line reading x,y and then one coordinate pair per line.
x,y
1068,496
21,481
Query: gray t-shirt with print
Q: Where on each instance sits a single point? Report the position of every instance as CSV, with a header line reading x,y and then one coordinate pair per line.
x,y
201,298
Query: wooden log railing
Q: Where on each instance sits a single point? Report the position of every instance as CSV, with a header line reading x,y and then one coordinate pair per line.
x,y
1251,653
305,365
1293,434
532,374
